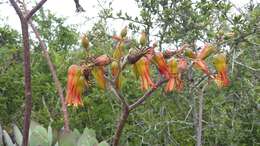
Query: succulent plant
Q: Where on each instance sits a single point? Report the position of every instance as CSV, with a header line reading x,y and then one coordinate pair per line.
x,y
39,136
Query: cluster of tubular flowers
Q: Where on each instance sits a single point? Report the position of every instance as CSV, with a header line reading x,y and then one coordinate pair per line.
x,y
75,85
169,67
219,62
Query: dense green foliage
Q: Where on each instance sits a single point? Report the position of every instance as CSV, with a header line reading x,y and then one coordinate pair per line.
x,y
231,116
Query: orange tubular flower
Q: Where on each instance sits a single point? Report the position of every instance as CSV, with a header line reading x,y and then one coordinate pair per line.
x,y
98,73
161,64
142,68
175,82
206,51
221,78
75,86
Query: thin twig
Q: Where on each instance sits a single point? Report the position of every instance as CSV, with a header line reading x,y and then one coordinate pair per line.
x,y
146,95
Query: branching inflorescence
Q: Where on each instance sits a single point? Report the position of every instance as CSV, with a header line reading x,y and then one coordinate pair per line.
x,y
170,65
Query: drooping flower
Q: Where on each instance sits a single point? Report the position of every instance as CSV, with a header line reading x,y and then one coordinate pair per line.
x,y
175,82
115,69
219,62
75,86
199,62
161,64
206,51
98,72
142,69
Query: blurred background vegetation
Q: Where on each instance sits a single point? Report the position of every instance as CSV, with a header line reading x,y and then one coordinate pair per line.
x,y
231,116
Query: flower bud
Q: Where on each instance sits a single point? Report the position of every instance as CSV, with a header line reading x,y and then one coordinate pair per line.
x,y
123,32
143,39
102,60
85,42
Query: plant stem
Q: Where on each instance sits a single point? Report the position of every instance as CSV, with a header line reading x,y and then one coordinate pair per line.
x,y
27,80
121,123
27,66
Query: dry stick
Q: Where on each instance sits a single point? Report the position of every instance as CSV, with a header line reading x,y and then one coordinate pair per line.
x,y
199,126
27,68
54,77
53,72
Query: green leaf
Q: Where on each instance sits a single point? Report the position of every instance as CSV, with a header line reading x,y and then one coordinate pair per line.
x,y
103,143
68,139
39,136
89,132
18,135
85,140
50,135
7,139
76,132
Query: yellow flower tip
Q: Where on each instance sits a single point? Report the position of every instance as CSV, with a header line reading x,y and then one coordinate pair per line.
x,y
206,51
219,62
85,41
173,66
